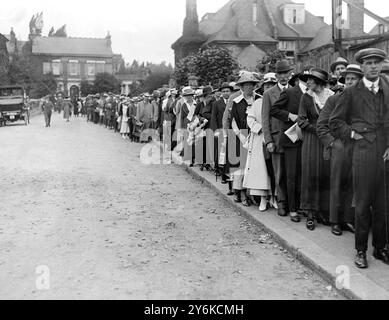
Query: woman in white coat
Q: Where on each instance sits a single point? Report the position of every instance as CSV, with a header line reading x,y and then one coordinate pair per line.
x,y
256,177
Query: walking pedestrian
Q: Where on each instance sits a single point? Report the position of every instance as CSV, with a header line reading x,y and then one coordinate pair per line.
x,y
47,108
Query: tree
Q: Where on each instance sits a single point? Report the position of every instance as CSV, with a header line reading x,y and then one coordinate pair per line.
x,y
156,80
268,63
86,88
46,85
106,82
213,65
184,68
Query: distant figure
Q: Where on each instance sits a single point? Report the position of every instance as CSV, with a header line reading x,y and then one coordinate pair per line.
x,y
47,108
67,107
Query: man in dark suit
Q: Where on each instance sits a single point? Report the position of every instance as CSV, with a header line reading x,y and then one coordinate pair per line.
x,y
218,109
273,131
340,156
286,109
361,116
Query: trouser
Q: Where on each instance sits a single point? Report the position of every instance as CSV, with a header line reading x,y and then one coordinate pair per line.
x,y
278,162
47,118
293,177
368,181
341,193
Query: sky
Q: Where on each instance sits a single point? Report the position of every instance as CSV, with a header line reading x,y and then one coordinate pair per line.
x,y
141,29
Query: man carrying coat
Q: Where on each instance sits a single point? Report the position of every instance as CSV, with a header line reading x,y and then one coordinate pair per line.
x,y
361,116
273,131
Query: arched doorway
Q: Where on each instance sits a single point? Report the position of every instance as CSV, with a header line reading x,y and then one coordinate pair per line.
x,y
74,92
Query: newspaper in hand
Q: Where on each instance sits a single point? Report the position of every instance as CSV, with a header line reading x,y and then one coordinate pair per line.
x,y
291,133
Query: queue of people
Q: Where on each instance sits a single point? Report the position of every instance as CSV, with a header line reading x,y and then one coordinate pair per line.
x,y
313,145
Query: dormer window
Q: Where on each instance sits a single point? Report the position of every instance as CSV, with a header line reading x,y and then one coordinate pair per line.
x,y
294,13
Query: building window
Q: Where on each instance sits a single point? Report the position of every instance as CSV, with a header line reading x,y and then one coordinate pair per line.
x,y
46,67
56,67
91,71
255,13
74,68
294,13
100,66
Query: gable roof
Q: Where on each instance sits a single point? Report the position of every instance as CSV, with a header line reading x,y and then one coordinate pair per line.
x,y
323,38
375,30
60,46
224,25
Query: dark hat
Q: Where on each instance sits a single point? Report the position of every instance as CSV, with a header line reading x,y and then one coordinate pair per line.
x,y
303,74
338,61
361,55
207,90
293,79
318,74
283,66
226,85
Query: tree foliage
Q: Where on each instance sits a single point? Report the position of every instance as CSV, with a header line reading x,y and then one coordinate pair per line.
x,y
45,85
106,82
213,65
268,63
86,88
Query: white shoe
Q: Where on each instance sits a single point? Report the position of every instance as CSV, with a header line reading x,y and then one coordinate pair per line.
x,y
263,206
273,203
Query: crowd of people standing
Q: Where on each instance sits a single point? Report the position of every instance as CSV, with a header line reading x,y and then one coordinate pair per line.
x,y
312,144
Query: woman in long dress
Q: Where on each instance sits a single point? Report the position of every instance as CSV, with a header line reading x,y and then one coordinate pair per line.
x,y
256,177
315,179
125,115
66,106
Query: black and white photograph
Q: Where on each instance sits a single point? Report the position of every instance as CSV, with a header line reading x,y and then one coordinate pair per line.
x,y
194,150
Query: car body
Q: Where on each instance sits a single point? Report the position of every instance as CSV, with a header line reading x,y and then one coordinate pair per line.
x,y
13,104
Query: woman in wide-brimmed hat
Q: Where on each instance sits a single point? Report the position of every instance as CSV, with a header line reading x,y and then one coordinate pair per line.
x,y
247,83
315,184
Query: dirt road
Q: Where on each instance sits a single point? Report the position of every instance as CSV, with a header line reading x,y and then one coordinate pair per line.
x,y
83,218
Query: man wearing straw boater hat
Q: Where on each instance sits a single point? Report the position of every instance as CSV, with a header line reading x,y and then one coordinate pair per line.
x,y
361,116
340,155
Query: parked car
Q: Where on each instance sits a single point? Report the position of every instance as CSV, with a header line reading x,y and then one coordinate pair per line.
x,y
13,104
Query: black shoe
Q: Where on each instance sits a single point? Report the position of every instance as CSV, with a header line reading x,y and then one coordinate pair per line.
x,y
295,218
230,193
381,254
360,260
224,179
237,199
246,203
348,227
311,224
282,212
336,230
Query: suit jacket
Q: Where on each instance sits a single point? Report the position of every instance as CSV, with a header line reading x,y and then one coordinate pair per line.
x,y
272,127
355,111
217,114
204,111
227,112
145,112
289,102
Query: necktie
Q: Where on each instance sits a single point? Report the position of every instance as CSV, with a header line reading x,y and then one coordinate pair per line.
x,y
372,89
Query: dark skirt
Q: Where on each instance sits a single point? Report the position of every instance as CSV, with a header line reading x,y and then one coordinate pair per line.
x,y
315,180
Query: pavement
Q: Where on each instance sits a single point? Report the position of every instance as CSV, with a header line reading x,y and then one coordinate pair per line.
x,y
330,256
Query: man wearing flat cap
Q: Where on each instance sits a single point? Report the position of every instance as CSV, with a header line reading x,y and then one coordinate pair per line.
x,y
361,117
